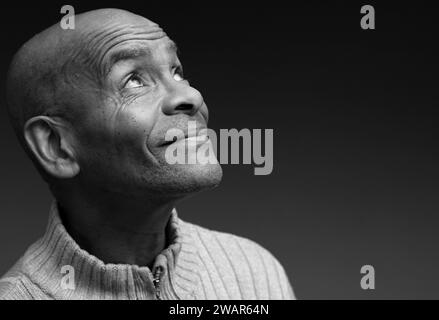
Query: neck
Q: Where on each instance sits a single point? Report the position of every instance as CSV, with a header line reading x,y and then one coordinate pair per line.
x,y
115,228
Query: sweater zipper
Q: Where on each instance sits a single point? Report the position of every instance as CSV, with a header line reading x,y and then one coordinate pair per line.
x,y
156,280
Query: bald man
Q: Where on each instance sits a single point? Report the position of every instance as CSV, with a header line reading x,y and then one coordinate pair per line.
x,y
91,107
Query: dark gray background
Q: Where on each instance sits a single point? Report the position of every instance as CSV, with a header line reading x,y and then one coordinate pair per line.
x,y
354,114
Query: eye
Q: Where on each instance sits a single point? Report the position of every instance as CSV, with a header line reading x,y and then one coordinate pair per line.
x,y
134,81
178,75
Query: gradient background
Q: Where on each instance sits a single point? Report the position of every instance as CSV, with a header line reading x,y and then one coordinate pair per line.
x,y
354,114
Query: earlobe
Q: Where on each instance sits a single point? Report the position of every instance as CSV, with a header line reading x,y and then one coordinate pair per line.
x,y
48,141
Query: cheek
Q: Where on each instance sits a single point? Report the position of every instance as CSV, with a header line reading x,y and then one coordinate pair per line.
x,y
132,128
114,135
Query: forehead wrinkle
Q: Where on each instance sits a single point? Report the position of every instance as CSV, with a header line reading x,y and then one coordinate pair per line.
x,y
98,43
126,53
125,35
132,51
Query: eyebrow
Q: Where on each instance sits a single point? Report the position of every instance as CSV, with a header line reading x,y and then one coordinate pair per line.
x,y
133,52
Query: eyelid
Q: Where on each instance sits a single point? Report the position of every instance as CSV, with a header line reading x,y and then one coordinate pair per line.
x,y
177,69
129,77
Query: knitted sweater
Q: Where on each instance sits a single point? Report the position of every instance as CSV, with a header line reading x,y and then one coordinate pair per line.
x,y
197,264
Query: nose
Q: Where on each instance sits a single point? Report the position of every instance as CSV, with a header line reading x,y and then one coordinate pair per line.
x,y
182,98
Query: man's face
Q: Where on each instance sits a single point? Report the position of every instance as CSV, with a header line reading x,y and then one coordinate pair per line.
x,y
140,94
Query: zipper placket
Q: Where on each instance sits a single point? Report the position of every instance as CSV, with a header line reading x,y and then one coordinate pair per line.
x,y
157,274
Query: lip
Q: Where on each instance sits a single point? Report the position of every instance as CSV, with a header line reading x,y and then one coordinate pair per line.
x,y
190,138
200,139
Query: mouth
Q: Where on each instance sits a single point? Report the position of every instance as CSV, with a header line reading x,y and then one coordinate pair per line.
x,y
194,140
189,138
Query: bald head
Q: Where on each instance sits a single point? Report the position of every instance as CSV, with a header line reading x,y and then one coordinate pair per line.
x,y
92,107
48,69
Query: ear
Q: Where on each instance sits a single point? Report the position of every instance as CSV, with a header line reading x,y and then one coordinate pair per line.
x,y
48,140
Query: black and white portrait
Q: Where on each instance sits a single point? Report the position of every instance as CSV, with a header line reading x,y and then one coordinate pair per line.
x,y
218,152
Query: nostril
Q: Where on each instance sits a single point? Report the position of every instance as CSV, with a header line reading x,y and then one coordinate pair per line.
x,y
184,107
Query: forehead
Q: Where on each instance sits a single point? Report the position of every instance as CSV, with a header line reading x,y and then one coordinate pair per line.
x,y
136,49
122,37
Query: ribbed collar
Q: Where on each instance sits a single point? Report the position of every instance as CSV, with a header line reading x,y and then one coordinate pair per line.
x,y
49,261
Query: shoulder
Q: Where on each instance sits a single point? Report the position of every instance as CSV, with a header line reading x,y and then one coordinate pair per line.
x,y
229,244
16,284
251,264
13,287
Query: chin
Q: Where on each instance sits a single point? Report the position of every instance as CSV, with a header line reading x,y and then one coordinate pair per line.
x,y
197,177
184,180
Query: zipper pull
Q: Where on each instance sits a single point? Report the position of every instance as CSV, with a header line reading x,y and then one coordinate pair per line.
x,y
156,280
